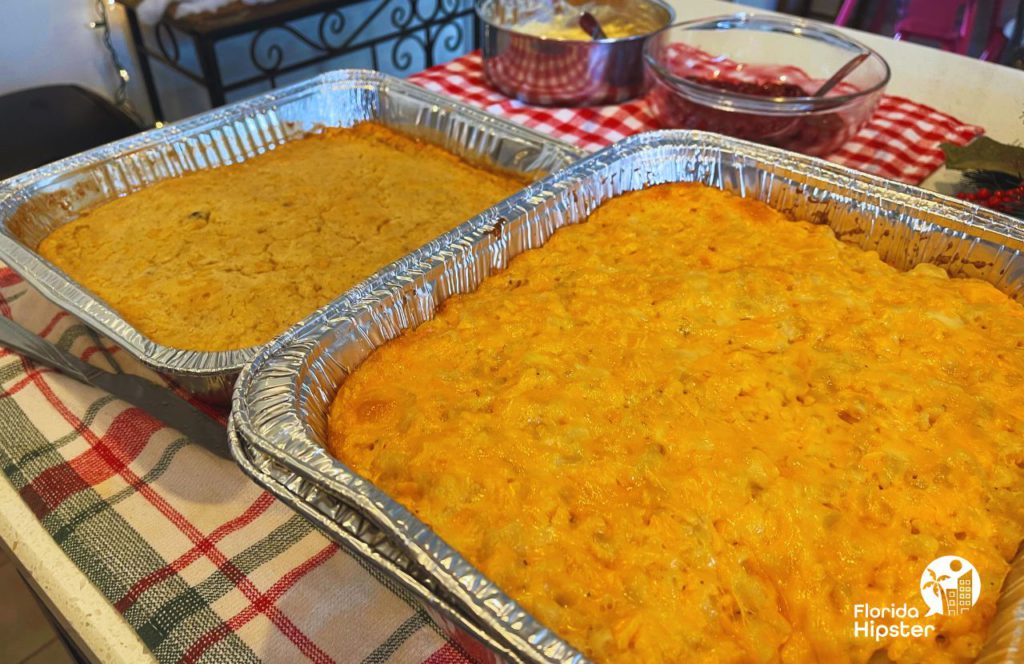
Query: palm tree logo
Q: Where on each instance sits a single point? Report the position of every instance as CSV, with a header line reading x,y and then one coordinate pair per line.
x,y
950,586
935,585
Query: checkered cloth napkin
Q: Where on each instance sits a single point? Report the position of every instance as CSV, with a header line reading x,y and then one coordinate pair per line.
x,y
900,142
201,563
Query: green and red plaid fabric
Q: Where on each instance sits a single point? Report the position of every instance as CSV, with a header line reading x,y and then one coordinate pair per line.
x,y
201,562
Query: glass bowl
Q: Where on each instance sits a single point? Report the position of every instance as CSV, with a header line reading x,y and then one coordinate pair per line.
x,y
753,77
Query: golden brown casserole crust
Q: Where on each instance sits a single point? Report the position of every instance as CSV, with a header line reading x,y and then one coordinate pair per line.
x,y
230,257
692,430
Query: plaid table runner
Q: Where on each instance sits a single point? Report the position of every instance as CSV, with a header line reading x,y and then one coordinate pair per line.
x,y
900,142
203,564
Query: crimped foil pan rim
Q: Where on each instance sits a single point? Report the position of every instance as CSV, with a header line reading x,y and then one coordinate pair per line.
x,y
280,363
355,546
50,280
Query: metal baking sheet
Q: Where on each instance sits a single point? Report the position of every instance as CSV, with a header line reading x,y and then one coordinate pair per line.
x,y
362,539
35,203
282,399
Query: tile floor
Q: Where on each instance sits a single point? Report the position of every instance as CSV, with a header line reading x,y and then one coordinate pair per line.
x,y
26,636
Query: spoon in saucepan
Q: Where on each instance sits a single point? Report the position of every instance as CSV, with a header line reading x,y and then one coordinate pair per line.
x,y
591,26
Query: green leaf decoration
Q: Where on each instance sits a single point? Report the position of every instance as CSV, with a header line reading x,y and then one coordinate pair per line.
x,y
985,154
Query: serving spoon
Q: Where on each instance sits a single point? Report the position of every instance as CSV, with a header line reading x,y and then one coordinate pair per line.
x,y
837,77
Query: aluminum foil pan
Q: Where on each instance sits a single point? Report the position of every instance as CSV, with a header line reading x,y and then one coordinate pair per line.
x,y
362,539
282,399
35,203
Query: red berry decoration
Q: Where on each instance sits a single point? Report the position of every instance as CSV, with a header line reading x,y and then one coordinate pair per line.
x,y
995,190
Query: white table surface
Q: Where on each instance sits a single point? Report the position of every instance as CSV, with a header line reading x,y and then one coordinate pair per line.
x,y
988,95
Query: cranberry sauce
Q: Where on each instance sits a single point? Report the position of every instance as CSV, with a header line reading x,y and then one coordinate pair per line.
x,y
818,134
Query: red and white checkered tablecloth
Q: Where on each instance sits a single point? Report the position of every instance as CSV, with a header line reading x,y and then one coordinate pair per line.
x,y
901,141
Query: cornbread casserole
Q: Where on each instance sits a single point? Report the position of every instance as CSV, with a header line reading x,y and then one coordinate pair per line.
x,y
230,257
690,429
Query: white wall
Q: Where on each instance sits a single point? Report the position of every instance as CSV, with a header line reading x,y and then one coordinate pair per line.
x,y
44,42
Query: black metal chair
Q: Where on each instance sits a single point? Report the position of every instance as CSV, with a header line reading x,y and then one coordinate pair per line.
x,y
44,124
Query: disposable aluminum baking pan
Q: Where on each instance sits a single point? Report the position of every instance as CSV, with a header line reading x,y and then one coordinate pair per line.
x,y
282,398
360,537
35,203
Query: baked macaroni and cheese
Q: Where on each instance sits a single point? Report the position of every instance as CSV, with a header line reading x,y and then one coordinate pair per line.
x,y
690,429
230,257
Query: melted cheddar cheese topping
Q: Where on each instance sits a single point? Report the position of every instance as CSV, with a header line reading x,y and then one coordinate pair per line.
x,y
690,429
227,258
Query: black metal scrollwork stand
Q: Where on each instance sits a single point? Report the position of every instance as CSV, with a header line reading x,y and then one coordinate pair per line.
x,y
398,30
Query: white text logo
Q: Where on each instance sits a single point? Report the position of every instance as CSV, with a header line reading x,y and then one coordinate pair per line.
x,y
950,586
